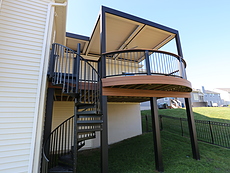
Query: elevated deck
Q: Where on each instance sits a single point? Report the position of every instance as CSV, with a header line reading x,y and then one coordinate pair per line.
x,y
140,88
134,75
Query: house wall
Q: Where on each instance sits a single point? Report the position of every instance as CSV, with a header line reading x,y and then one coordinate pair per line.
x,y
225,96
22,34
124,121
212,99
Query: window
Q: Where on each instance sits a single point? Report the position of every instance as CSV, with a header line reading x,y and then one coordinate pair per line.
x,y
195,96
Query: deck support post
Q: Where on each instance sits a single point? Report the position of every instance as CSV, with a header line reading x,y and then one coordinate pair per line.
x,y
48,114
104,137
156,135
104,132
192,129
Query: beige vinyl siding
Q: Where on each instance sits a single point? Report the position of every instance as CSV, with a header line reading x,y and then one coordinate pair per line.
x,y
62,110
22,27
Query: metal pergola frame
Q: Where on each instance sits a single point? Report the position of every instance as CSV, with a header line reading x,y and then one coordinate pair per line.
x,y
153,101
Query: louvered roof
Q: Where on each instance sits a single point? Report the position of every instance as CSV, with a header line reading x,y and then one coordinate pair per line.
x,y
123,31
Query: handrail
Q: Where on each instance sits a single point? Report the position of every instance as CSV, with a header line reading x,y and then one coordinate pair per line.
x,y
64,145
144,62
74,73
87,61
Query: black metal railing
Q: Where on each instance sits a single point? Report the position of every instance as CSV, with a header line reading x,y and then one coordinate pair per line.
x,y
79,78
59,143
75,74
216,133
144,62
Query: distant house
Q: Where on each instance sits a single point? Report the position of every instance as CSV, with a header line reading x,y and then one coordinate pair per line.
x,y
212,98
201,98
224,94
198,98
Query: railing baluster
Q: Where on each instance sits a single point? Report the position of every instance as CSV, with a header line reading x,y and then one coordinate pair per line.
x,y
148,71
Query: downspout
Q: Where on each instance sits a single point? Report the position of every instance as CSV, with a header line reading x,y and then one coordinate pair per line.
x,y
34,161
0,5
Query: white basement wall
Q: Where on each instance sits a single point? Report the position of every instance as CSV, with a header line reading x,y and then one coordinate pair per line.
x,y
22,26
124,121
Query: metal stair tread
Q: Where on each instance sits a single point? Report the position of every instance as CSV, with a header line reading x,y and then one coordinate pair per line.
x,y
84,133
88,113
85,105
89,121
90,116
86,138
60,169
89,130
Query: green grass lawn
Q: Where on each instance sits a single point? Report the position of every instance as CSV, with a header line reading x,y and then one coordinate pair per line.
x,y
135,155
219,114
219,135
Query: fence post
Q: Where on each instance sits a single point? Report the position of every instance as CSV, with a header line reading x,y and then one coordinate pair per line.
x,y
147,124
210,128
181,126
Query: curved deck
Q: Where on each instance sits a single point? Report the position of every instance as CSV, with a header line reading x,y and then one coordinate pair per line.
x,y
140,88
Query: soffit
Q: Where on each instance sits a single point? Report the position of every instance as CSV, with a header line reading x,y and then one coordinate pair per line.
x,y
123,33
73,42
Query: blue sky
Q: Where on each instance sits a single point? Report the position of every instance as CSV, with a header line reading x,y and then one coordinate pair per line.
x,y
204,27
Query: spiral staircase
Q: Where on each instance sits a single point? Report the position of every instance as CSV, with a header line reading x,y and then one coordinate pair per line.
x,y
79,79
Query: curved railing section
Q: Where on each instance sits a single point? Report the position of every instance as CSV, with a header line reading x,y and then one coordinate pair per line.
x,y
75,74
79,78
59,143
144,62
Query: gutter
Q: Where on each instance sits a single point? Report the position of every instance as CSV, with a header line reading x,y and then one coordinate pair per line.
x,y
0,5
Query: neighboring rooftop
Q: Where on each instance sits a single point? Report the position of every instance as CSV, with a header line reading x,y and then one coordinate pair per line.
x,y
211,92
224,89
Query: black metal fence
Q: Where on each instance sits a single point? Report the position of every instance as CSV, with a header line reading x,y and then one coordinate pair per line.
x,y
216,133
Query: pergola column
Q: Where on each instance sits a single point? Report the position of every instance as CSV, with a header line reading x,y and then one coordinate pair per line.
x,y
156,134
192,129
104,132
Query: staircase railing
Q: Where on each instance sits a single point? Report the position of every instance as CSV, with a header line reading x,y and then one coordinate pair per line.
x,y
59,142
75,74
79,78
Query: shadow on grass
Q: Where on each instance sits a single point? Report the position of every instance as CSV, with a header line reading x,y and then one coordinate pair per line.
x,y
135,155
